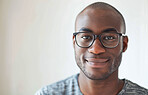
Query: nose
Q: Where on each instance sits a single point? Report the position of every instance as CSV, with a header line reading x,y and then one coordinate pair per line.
x,y
96,47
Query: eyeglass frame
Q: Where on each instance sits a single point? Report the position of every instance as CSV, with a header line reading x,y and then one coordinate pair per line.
x,y
95,37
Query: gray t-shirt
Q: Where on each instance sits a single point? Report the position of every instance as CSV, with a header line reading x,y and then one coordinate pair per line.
x,y
70,86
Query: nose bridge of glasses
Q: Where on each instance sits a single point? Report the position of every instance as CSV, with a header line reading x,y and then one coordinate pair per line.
x,y
98,37
97,40
97,46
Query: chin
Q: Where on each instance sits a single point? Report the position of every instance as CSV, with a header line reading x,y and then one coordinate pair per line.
x,y
100,76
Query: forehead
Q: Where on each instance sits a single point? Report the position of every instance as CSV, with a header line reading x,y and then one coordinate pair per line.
x,y
98,20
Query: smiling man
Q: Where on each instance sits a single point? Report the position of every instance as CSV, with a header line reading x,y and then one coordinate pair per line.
x,y
99,42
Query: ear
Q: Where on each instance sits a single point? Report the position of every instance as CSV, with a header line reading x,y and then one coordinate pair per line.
x,y
73,39
125,43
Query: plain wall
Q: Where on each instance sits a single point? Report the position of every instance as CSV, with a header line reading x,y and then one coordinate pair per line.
x,y
36,42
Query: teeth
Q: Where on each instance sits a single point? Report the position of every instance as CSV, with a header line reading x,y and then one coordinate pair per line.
x,y
96,60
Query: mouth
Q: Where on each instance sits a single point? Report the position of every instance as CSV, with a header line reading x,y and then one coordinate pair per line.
x,y
97,62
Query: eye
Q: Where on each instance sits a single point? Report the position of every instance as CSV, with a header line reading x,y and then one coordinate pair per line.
x,y
109,38
86,37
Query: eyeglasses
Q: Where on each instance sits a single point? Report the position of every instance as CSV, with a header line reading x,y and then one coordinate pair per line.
x,y
107,39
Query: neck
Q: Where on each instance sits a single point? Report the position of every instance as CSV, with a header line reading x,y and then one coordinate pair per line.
x,y
109,86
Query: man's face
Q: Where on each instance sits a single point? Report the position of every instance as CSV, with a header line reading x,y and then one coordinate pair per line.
x,y
98,62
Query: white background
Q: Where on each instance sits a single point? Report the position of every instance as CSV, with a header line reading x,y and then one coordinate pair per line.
x,y
36,42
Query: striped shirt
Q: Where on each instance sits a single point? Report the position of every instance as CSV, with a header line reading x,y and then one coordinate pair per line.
x,y
70,86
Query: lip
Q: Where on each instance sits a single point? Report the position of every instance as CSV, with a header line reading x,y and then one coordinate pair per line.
x,y
97,62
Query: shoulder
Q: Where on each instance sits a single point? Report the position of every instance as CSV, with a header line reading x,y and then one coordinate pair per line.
x,y
134,89
60,87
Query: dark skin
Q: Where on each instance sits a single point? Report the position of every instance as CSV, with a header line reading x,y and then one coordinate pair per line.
x,y
101,80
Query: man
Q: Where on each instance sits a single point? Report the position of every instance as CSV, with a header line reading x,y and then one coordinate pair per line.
x,y
99,42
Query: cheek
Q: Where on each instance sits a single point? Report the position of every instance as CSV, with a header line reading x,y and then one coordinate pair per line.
x,y
116,52
79,53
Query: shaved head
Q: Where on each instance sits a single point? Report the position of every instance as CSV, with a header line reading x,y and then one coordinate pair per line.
x,y
105,7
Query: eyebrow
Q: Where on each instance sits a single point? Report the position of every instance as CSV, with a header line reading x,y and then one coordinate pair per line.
x,y
106,30
85,29
110,29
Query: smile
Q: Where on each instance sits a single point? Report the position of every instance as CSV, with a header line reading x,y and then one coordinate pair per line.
x,y
96,62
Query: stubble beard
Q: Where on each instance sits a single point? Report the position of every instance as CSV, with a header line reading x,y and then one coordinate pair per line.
x,y
114,66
